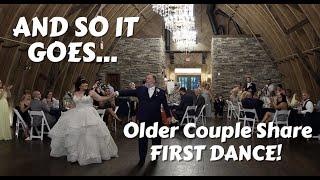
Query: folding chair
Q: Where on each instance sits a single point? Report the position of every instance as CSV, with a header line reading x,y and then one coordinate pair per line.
x,y
253,120
282,113
186,115
200,117
240,112
231,111
101,112
44,123
20,122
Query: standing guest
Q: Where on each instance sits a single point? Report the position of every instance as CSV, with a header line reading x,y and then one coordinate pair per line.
x,y
234,97
133,103
250,86
219,105
206,93
5,130
22,108
37,105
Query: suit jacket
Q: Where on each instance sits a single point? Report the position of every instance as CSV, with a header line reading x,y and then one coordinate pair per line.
x,y
186,100
252,88
37,105
149,109
199,102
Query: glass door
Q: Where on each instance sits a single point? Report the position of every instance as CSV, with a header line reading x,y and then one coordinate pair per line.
x,y
190,82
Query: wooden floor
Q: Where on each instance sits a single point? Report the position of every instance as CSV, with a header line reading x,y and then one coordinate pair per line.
x,y
32,158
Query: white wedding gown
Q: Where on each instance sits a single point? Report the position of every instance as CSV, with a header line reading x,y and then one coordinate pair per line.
x,y
81,135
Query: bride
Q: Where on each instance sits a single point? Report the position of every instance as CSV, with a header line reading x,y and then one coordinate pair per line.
x,y
80,133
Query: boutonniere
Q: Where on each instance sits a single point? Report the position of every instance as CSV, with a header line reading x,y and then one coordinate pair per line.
x,y
157,91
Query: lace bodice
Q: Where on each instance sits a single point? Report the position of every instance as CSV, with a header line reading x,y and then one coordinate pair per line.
x,y
83,101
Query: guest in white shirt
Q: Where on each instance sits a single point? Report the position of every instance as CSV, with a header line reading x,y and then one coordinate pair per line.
x,y
307,103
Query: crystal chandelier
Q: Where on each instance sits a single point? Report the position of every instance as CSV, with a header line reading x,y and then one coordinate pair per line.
x,y
179,19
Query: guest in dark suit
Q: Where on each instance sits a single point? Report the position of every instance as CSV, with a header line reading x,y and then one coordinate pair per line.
x,y
218,106
149,111
250,86
199,102
186,100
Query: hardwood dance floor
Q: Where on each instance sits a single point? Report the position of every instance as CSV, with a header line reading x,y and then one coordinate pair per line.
x,y
299,157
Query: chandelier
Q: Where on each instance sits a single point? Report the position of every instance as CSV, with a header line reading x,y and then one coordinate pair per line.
x,y
179,19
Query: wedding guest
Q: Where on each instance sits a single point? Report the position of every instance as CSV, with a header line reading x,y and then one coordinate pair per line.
x,y
37,105
234,97
206,93
174,98
307,105
280,104
291,98
250,86
269,89
280,90
49,100
5,112
22,108
218,106
318,106
186,100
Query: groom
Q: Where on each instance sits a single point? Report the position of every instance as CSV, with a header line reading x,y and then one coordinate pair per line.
x,y
149,111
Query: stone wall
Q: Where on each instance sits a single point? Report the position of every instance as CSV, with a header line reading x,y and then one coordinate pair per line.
x,y
137,58
236,57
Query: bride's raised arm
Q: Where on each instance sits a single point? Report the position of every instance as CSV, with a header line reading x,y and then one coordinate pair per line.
x,y
99,98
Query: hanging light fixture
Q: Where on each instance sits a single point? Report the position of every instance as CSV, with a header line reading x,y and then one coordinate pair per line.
x,y
179,19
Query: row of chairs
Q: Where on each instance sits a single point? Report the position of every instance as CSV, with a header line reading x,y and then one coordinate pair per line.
x,y
44,127
241,113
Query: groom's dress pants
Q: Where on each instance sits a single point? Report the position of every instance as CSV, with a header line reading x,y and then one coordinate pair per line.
x,y
143,142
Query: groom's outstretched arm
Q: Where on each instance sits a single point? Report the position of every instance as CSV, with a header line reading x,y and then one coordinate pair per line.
x,y
131,92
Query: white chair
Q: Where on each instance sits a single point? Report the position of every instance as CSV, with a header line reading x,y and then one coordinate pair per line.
x,y
253,120
44,123
101,112
19,123
186,115
284,113
240,112
231,110
200,117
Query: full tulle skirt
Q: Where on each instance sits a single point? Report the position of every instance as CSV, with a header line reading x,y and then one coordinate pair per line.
x,y
82,136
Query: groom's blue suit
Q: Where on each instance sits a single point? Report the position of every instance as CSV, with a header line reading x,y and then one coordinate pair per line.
x,y
148,112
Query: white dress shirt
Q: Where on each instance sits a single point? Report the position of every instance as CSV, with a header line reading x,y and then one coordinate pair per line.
x,y
151,91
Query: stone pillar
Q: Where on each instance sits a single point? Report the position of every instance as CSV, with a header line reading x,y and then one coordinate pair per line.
x,y
137,58
235,57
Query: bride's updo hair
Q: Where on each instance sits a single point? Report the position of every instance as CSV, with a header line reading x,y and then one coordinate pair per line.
x,y
81,80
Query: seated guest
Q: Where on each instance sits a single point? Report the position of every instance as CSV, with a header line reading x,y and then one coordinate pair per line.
x,y
174,98
22,108
218,106
49,100
234,97
250,86
279,104
291,99
53,105
248,102
307,106
258,105
318,106
199,101
186,100
37,105
269,89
